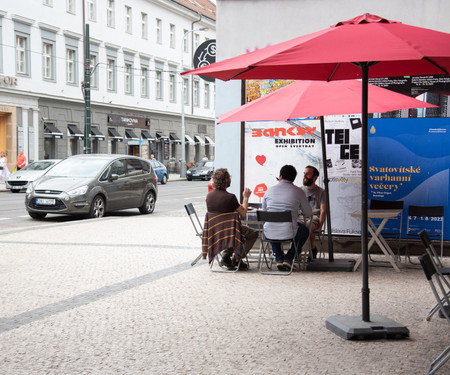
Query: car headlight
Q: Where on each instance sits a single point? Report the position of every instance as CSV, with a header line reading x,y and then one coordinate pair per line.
x,y
188,172
79,190
30,188
204,172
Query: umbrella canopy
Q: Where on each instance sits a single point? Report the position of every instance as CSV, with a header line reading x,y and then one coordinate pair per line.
x,y
314,98
362,47
395,49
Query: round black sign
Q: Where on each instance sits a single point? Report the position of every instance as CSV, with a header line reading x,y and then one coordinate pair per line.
x,y
205,54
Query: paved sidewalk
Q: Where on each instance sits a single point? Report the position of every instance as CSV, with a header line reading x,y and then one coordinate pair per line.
x,y
118,296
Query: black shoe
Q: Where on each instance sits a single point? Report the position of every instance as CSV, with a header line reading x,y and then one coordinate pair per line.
x,y
227,262
314,253
243,266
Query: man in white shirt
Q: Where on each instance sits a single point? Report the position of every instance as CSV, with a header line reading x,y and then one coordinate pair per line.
x,y
282,197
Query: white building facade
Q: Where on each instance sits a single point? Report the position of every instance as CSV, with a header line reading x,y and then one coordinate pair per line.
x,y
136,49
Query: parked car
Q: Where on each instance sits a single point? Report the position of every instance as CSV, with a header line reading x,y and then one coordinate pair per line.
x,y
210,185
201,170
21,179
93,184
160,170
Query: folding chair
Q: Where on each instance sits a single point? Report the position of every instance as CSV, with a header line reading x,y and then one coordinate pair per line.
x,y
395,225
223,230
438,285
437,264
320,235
430,218
197,226
265,251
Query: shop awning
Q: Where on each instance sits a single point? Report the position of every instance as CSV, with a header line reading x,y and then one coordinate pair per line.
x,y
74,131
209,140
114,135
199,139
189,139
146,135
50,130
129,134
97,134
174,138
161,137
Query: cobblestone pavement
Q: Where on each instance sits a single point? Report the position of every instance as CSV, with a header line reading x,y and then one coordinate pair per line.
x,y
118,296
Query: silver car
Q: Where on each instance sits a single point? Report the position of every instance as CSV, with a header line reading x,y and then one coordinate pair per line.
x,y
20,180
92,185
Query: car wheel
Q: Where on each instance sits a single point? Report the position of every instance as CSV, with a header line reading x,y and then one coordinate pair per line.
x,y
14,191
37,215
97,207
164,180
189,179
149,203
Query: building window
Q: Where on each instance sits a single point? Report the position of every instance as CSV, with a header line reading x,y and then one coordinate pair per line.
x,y
128,19
172,88
186,90
70,66
111,74
196,41
21,55
70,6
196,93
47,61
207,95
93,61
91,10
159,93
128,78
48,2
110,13
185,41
144,82
172,36
158,31
144,26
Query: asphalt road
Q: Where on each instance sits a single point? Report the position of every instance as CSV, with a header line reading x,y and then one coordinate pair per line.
x,y
171,200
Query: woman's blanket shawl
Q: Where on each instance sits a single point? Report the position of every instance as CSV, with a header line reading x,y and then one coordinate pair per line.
x,y
222,231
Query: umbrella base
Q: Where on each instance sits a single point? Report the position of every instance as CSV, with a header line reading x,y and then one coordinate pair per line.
x,y
324,265
354,328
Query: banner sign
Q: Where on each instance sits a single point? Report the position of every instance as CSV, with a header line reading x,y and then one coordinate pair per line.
x,y
271,144
409,160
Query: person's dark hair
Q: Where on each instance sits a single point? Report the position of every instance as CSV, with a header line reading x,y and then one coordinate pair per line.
x,y
220,177
315,170
288,172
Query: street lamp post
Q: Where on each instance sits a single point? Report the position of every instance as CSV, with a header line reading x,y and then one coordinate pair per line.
x,y
183,126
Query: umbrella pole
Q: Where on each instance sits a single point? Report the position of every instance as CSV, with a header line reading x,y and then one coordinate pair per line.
x,y
367,326
364,196
327,193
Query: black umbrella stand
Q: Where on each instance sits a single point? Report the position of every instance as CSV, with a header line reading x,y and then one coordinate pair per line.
x,y
366,326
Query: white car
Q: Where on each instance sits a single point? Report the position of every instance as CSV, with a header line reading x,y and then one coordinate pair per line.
x,y
21,179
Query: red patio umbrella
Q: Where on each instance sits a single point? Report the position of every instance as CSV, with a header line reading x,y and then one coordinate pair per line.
x,y
362,47
319,98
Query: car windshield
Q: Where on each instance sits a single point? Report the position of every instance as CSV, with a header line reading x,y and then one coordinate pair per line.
x,y
38,166
208,164
78,167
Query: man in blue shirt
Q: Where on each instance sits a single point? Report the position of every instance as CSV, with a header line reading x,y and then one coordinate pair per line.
x,y
282,197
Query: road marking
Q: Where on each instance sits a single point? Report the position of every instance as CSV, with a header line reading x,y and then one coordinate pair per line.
x,y
4,218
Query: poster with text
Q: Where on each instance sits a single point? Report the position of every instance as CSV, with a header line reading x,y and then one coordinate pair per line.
x,y
409,161
269,145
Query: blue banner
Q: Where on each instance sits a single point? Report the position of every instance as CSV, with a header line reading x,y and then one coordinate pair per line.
x,y
409,160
